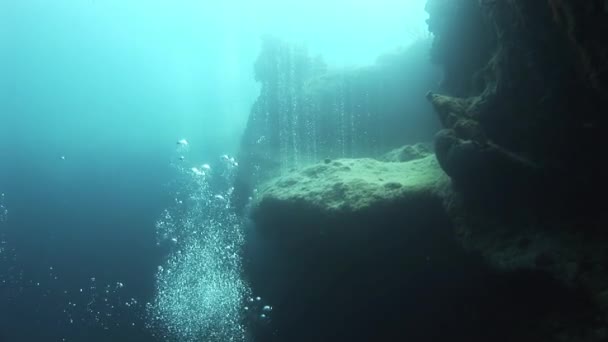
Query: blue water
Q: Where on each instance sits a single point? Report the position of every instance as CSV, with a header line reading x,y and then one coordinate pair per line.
x,y
94,96
76,220
91,257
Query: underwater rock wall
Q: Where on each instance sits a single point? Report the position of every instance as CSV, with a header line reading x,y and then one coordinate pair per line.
x,y
366,250
509,247
308,111
524,82
523,113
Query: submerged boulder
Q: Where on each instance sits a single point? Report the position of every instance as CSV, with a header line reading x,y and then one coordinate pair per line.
x,y
342,240
407,153
308,110
345,186
365,250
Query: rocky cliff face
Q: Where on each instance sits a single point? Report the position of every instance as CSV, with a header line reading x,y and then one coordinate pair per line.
x,y
522,109
308,111
368,250
525,84
499,236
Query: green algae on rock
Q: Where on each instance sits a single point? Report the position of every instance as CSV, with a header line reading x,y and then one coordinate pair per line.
x,y
345,235
407,153
349,185
340,237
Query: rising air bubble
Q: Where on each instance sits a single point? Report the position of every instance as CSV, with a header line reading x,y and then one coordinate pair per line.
x,y
199,288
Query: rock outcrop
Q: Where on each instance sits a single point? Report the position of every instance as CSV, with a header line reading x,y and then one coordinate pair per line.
x,y
522,114
365,250
502,238
308,111
344,186
524,84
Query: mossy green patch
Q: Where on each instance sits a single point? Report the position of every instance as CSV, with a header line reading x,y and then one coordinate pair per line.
x,y
354,184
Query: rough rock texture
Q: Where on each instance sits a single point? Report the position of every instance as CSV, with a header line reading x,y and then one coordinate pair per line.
x,y
308,111
344,186
515,81
364,250
523,119
570,251
508,245
585,25
407,153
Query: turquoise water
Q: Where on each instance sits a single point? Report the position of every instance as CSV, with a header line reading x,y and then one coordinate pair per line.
x,y
109,228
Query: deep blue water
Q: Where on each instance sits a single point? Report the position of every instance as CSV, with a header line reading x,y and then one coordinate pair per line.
x,y
77,220
93,97
81,250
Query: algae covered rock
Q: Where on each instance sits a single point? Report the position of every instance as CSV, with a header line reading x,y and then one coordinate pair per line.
x,y
308,110
407,153
347,186
338,241
336,238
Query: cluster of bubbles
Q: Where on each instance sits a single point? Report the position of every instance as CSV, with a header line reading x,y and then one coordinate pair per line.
x,y
98,305
102,305
258,313
95,304
3,210
200,292
6,253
